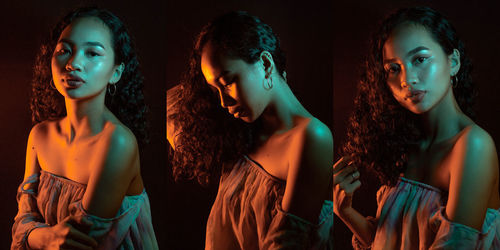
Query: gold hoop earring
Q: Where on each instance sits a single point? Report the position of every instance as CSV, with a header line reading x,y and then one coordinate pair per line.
x,y
52,85
454,81
111,89
268,83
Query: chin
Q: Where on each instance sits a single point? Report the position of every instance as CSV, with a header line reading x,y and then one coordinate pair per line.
x,y
247,119
417,109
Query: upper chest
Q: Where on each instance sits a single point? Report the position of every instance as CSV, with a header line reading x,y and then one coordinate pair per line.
x,y
72,160
432,166
279,152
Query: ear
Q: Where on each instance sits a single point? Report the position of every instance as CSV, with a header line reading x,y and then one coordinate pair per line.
x,y
454,59
267,61
117,74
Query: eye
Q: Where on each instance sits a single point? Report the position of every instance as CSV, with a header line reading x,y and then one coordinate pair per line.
x,y
92,53
392,68
229,83
420,59
61,51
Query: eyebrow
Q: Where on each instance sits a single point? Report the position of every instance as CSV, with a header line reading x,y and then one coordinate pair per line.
x,y
415,50
410,53
90,43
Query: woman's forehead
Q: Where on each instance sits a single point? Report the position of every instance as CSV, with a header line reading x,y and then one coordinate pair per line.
x,y
86,30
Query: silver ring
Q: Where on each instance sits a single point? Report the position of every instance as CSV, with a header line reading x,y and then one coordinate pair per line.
x,y
353,177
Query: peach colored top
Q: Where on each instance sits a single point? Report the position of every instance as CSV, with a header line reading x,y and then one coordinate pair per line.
x,y
58,197
247,214
411,215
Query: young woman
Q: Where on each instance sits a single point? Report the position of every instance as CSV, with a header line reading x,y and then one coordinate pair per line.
x,y
235,114
82,187
439,168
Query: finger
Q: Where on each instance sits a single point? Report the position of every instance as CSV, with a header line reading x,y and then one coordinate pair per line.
x,y
353,177
72,244
81,223
343,174
348,180
81,237
350,189
340,164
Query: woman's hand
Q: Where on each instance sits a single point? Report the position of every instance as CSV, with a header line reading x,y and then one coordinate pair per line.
x,y
345,181
67,234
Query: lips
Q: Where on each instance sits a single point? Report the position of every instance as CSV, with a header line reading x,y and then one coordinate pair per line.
x,y
415,96
73,81
237,112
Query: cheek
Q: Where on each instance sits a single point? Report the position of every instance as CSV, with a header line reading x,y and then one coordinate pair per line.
x,y
57,64
100,70
395,87
397,92
435,73
429,73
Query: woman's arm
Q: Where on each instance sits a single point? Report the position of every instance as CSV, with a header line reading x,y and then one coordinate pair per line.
x,y
346,182
29,229
309,173
28,218
307,184
112,171
473,174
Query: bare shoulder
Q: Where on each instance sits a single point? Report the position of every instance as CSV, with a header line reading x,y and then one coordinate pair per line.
x,y
117,167
122,146
317,145
473,177
41,130
478,149
310,171
318,133
477,137
122,137
38,139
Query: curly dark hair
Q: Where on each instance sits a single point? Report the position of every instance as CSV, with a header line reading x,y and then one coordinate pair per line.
x,y
128,101
380,130
210,137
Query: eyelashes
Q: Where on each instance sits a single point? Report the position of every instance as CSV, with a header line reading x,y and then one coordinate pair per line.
x,y
396,68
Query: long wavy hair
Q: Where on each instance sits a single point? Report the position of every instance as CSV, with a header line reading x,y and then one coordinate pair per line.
x,y
127,104
210,137
380,130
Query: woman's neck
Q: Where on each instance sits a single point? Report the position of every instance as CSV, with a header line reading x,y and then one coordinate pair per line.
x,y
283,106
84,117
443,121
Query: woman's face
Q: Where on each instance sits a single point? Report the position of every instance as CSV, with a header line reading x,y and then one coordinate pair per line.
x,y
418,70
238,83
83,60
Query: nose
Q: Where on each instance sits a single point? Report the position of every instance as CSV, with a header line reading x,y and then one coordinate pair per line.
x,y
225,99
408,78
74,63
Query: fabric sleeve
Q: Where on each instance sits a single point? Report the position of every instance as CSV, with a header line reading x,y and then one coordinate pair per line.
x,y
288,231
28,216
451,235
131,228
